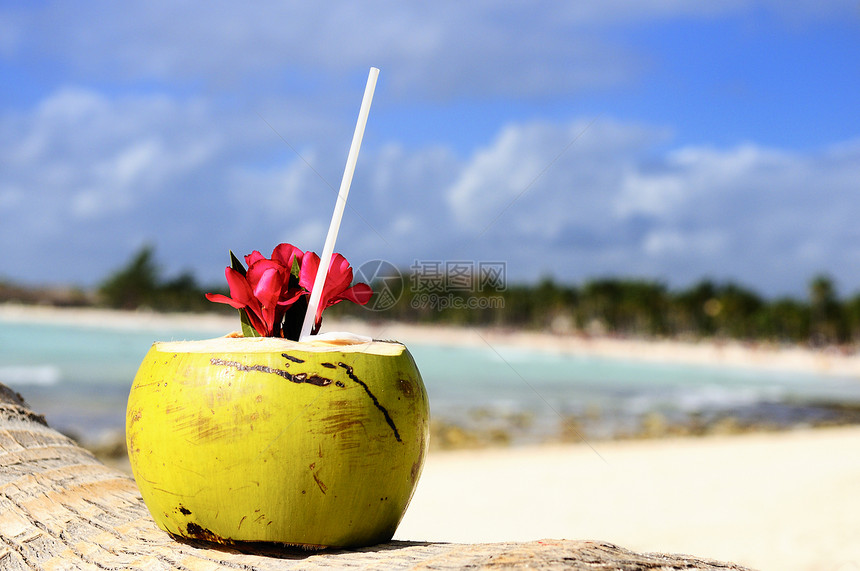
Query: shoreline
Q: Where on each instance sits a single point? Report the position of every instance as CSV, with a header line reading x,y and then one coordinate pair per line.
x,y
831,361
481,427
707,352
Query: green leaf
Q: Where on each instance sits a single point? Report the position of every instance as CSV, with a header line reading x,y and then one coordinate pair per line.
x,y
294,275
236,264
247,329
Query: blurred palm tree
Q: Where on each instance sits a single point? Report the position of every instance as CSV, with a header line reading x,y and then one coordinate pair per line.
x,y
827,322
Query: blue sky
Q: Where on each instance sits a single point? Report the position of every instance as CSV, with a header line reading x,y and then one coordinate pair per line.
x,y
656,139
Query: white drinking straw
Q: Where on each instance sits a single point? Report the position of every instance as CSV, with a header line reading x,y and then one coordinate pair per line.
x,y
331,237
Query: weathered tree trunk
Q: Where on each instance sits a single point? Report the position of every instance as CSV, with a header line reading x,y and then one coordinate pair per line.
x,y
60,508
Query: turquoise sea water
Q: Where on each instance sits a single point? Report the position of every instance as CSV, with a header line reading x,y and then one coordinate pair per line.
x,y
79,377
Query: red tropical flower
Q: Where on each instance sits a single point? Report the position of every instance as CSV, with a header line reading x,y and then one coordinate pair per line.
x,y
337,283
268,290
283,253
264,292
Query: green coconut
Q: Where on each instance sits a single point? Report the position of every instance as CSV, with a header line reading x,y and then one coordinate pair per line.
x,y
263,439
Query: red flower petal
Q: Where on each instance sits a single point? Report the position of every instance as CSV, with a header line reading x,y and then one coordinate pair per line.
x,y
308,271
286,254
339,276
360,293
218,298
291,296
253,257
240,290
267,278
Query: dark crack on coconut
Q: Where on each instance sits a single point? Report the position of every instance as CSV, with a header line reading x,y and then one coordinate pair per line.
x,y
373,398
312,380
298,378
291,358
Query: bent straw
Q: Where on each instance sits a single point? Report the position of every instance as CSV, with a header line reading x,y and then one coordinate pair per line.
x,y
337,216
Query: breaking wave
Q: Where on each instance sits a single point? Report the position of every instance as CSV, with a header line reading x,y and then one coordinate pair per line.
x,y
42,375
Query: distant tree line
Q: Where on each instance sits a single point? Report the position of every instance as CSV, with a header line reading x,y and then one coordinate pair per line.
x,y
638,308
618,307
139,284
56,296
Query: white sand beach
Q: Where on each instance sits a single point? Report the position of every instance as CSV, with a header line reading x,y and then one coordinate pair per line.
x,y
775,501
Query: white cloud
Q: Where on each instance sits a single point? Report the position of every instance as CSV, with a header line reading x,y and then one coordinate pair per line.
x,y
519,49
307,236
609,205
86,177
89,177
92,176
397,206
542,177
81,155
273,193
130,163
499,175
404,225
671,242
649,194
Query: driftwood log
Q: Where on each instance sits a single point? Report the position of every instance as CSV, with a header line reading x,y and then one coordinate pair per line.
x,y
60,508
